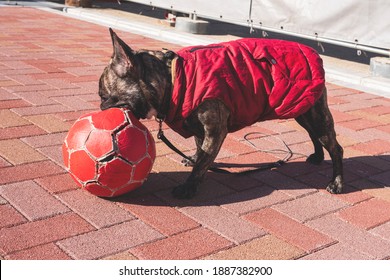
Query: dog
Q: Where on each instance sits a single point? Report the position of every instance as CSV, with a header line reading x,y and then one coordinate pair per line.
x,y
209,91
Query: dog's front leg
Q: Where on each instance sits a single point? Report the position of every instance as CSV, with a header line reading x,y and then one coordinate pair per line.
x,y
211,119
199,143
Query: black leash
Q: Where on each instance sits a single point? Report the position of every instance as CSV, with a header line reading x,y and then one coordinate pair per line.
x,y
161,136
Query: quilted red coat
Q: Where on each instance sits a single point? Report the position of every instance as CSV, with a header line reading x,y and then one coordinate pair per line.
x,y
257,79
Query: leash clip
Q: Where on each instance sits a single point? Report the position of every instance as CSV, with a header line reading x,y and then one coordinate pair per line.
x,y
160,133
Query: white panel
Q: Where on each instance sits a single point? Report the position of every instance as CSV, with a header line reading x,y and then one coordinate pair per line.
x,y
363,21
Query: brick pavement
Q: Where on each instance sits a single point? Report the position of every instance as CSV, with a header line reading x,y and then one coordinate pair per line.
x,y
49,68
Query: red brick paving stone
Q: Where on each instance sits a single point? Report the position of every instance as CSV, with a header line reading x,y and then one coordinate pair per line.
x,y
310,206
289,230
17,152
382,231
171,168
22,88
360,124
379,162
350,152
97,211
28,171
374,147
360,168
92,97
298,167
295,137
120,256
379,110
223,155
5,95
353,134
376,133
367,214
275,126
381,116
267,247
71,116
75,103
156,182
374,189
236,182
4,163
252,200
340,117
385,128
57,183
352,236
54,153
347,142
302,150
11,119
246,162
192,244
45,140
69,91
255,129
237,147
20,131
84,78
25,79
32,234
209,190
39,110
351,195
49,123
380,193
224,223
337,251
6,82
382,178
353,105
155,213
59,82
32,201
36,98
108,241
43,252
283,183
9,216
269,143
174,137
15,103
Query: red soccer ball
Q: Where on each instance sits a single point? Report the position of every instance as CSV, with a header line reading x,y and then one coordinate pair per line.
x,y
109,152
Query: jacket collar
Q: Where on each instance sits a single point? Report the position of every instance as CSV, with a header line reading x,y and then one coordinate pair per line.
x,y
165,100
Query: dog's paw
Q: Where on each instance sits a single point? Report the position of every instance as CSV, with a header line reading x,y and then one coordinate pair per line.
x,y
335,186
315,159
185,191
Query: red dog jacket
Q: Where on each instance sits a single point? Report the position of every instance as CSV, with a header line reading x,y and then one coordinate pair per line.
x,y
257,79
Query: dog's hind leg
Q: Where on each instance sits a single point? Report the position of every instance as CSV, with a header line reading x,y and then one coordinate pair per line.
x,y
318,121
318,156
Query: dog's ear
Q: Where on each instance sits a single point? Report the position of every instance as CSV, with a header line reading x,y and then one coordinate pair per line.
x,y
123,59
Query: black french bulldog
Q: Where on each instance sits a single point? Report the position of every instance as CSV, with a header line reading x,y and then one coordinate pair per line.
x,y
209,91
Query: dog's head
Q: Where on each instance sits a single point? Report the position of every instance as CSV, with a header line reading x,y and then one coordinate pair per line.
x,y
135,80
